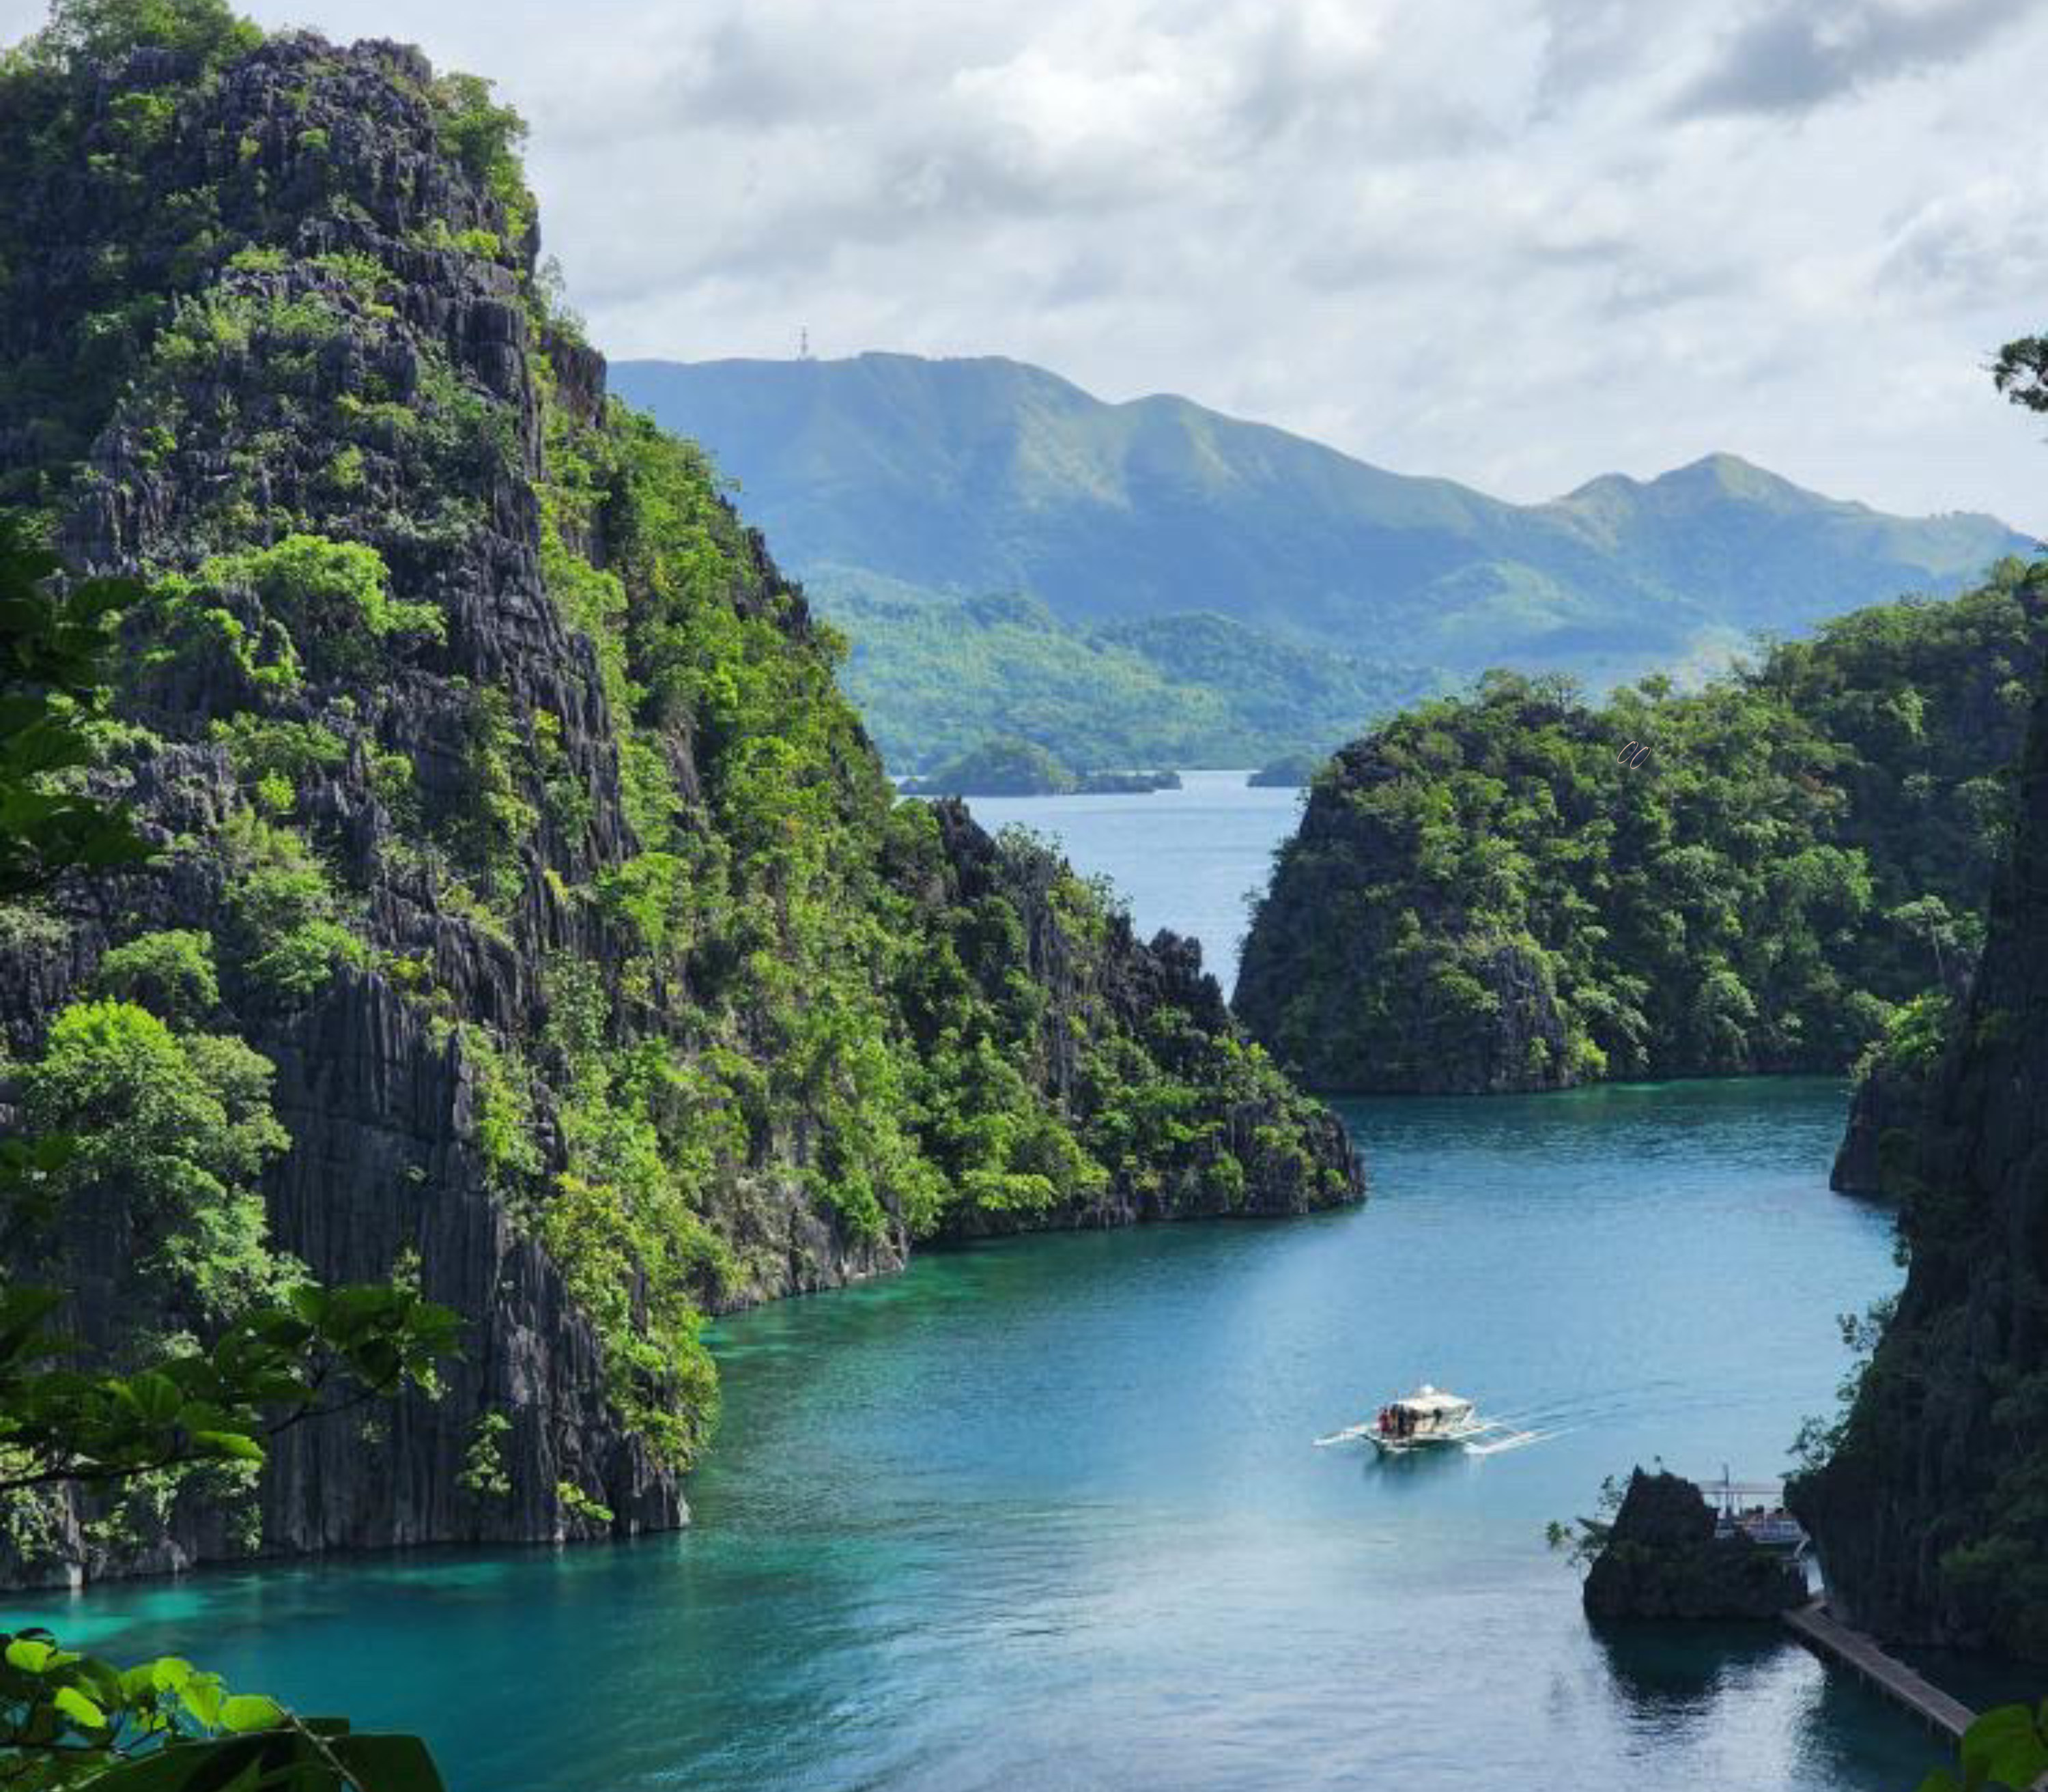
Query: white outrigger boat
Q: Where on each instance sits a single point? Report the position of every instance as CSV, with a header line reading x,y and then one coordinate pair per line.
x,y
1429,1416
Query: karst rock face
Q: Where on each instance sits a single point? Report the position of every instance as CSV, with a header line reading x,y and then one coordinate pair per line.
x,y
1932,1516
605,899
1360,994
1884,1117
1284,1151
1663,1560
317,156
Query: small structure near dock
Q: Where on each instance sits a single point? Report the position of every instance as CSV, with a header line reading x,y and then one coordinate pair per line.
x,y
1757,1509
1665,1556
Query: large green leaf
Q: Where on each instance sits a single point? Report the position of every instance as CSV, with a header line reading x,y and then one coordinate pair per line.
x,y
249,1711
79,1708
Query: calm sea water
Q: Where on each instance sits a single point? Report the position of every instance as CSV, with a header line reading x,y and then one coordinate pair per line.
x,y
1048,1514
1189,860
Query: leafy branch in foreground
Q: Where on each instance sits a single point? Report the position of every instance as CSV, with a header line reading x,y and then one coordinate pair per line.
x,y
53,644
68,1719
73,1720
2021,372
2007,1747
1580,1541
328,1350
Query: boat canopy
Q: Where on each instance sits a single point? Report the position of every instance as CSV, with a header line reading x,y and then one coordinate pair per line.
x,y
1433,1400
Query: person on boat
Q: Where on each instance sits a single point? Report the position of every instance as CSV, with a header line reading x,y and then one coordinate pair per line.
x,y
1386,1422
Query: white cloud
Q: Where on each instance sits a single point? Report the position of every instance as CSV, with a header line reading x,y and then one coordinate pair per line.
x,y
1518,243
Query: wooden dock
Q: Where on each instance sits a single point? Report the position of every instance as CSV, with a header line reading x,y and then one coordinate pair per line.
x,y
1816,1627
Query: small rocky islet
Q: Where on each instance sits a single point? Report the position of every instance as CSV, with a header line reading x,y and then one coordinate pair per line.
x,y
1663,1557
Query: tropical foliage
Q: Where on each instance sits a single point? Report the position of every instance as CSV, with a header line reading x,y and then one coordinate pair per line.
x,y
179,1127
2007,1747
51,696
1754,877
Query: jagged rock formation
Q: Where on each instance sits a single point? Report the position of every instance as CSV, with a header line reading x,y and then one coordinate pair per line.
x,y
501,780
1931,1515
1267,1156
1884,1116
1361,994
1662,1560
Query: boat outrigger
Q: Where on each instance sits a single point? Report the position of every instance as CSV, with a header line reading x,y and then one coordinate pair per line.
x,y
1429,1416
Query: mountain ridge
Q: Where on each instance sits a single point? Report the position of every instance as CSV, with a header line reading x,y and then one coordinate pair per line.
x,y
1110,510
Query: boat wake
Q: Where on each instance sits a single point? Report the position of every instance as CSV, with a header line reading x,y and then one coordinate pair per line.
x,y
1516,1441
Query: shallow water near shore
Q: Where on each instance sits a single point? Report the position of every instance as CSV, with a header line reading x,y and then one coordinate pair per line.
x,y
1048,1513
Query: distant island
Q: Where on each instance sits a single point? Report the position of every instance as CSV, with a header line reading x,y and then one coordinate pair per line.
x,y
1008,766
1291,771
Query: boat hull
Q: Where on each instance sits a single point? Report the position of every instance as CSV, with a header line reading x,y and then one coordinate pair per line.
x,y
1390,1444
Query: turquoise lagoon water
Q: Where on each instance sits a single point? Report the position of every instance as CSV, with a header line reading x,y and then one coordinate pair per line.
x,y
1186,858
1048,1514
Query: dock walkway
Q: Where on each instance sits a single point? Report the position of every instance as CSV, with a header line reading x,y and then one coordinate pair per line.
x,y
1826,1635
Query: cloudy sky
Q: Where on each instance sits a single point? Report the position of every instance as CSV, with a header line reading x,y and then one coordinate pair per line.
x,y
1515,242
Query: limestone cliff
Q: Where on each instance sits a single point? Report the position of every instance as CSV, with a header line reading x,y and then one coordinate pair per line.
x,y
1886,1106
503,781
1520,889
1932,1514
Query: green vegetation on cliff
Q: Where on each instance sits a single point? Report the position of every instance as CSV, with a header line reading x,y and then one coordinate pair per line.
x,y
1930,1503
1518,891
530,920
143,1149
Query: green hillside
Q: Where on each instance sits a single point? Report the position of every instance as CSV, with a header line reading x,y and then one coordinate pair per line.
x,y
1519,890
935,675
973,476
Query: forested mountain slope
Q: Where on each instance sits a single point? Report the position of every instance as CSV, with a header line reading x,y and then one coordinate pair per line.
x,y
532,922
1520,891
934,675
979,476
